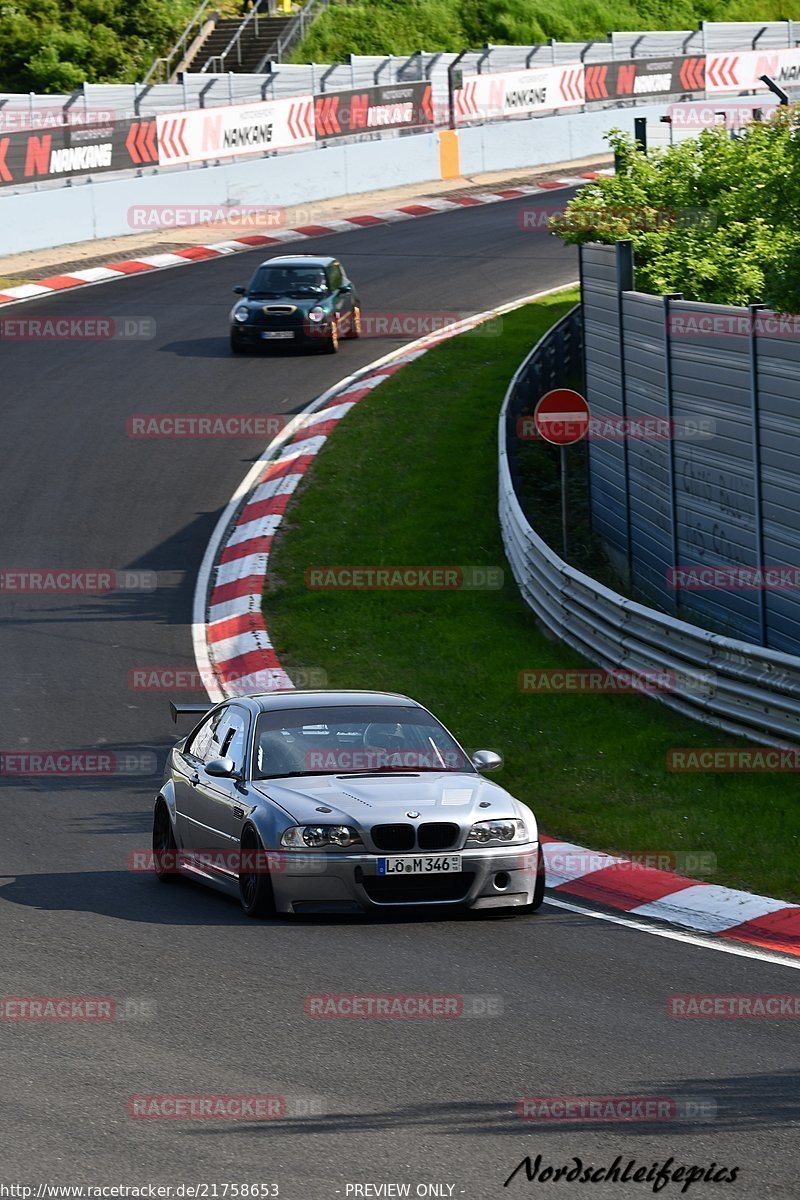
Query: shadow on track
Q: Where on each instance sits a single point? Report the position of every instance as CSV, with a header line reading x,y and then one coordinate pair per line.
x,y
744,1103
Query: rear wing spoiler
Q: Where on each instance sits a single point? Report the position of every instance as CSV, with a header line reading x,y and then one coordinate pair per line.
x,y
187,710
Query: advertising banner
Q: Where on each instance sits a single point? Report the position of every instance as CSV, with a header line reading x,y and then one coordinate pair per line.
x,y
373,109
741,72
506,93
645,77
205,134
60,152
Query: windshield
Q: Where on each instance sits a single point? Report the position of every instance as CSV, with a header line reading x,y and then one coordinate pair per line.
x,y
288,281
353,740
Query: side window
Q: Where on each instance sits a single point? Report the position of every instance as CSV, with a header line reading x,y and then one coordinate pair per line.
x,y
205,742
335,276
234,738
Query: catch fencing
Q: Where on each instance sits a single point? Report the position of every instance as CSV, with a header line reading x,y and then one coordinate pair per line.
x,y
734,685
205,116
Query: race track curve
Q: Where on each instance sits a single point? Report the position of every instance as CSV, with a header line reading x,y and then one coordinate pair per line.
x,y
414,1101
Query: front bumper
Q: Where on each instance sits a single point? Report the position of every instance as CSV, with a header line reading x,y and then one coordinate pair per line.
x,y
302,334
499,877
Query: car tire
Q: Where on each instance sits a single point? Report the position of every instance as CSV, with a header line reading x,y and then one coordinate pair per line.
x,y
354,327
165,851
255,887
331,343
237,347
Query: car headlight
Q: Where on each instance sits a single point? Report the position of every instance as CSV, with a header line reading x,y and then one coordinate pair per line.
x,y
304,837
511,830
317,315
241,314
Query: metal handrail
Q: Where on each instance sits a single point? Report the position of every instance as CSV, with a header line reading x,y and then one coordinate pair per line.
x,y
162,67
236,40
296,31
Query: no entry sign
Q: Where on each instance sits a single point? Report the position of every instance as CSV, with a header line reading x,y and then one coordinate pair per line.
x,y
562,417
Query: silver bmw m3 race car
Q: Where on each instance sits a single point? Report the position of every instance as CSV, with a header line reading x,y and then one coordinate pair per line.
x,y
341,801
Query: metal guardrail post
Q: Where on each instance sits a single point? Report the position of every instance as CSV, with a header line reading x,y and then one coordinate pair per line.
x,y
758,506
452,86
673,507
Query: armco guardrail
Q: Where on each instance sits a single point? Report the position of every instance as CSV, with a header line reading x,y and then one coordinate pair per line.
x,y
740,688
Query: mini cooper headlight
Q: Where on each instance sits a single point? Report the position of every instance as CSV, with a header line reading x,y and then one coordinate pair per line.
x,y
241,314
511,830
317,315
303,837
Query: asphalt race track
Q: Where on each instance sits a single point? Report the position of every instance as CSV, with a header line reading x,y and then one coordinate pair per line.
x,y
419,1101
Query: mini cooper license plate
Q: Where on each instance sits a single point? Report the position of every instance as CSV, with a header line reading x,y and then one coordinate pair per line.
x,y
277,334
420,864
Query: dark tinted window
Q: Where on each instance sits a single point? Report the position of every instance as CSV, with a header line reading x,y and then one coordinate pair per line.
x,y
287,281
350,739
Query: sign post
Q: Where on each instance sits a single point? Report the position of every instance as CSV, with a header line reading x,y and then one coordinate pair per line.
x,y
562,418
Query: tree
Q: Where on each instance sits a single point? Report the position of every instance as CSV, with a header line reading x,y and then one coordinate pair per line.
x,y
714,217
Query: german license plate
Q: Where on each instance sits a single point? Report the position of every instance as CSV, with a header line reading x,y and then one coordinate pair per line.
x,y
277,334
420,864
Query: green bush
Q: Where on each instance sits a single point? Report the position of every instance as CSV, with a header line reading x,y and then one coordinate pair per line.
x,y
403,26
49,46
714,217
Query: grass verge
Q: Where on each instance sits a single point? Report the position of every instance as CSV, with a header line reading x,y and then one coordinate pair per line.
x,y
403,26
410,477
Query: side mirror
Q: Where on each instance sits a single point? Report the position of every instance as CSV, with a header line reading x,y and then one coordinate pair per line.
x,y
221,768
346,287
239,291
486,760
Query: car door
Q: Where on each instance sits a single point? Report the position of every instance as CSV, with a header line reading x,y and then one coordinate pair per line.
x,y
222,803
201,746
342,298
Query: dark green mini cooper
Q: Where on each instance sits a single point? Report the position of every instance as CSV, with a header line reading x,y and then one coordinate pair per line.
x,y
299,299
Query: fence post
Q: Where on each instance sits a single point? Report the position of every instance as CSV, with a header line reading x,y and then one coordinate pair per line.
x,y
670,438
584,384
624,283
758,506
